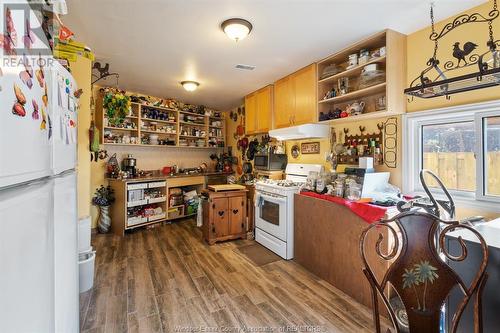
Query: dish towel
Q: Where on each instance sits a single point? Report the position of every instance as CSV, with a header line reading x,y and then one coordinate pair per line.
x,y
367,212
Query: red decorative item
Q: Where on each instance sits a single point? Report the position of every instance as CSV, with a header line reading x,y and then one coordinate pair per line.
x,y
344,114
166,170
367,212
65,33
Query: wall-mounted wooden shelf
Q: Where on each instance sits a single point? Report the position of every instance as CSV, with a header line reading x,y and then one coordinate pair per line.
x,y
145,127
355,71
390,87
378,88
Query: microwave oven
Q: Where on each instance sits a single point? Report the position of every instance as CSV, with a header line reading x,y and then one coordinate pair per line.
x,y
270,161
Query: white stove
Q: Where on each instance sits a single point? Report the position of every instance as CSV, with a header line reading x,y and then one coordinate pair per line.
x,y
274,208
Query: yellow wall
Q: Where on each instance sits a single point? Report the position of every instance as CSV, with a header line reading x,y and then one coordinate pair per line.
x,y
420,48
371,127
81,71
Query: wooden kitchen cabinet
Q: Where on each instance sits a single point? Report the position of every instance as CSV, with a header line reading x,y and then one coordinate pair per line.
x,y
304,86
224,215
295,98
258,110
284,102
251,113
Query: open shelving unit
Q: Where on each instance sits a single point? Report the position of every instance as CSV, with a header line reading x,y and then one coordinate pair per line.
x,y
156,126
390,86
136,197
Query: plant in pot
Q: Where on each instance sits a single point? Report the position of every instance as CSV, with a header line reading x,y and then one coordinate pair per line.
x,y
103,198
117,106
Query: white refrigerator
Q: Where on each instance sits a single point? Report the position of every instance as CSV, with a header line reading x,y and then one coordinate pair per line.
x,y
38,200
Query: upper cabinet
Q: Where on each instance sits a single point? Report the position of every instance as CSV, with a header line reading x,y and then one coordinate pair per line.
x,y
295,98
258,110
365,80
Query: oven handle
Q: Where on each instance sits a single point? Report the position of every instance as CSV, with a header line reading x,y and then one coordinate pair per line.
x,y
261,197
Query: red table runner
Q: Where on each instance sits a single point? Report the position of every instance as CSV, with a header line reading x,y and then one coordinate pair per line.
x,y
367,212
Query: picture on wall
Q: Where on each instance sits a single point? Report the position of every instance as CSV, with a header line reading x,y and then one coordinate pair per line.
x,y
310,148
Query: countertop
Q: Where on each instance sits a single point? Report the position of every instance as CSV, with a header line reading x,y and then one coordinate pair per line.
x,y
163,177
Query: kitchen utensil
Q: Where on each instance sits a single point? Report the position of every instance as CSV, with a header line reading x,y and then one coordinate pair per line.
x,y
244,142
240,129
339,147
247,168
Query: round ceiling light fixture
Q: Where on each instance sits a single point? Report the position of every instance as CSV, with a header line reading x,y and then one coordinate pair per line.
x,y
236,28
190,85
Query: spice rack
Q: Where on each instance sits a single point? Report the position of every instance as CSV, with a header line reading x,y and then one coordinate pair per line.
x,y
367,141
341,81
156,126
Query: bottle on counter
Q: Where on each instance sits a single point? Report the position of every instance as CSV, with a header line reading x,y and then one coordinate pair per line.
x,y
372,147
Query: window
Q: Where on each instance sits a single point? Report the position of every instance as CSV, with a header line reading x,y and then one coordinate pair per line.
x,y
448,151
461,145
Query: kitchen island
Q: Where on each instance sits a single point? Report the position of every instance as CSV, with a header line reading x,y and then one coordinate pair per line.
x,y
326,242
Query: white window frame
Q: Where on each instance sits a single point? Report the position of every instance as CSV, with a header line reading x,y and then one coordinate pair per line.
x,y
412,149
480,149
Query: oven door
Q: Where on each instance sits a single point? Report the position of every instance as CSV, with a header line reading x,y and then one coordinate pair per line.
x,y
270,214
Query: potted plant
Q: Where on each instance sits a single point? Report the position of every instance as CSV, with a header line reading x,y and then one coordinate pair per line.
x,y
117,106
103,198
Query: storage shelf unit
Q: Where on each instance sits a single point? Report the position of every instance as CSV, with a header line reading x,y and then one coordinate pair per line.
x,y
122,221
393,63
144,127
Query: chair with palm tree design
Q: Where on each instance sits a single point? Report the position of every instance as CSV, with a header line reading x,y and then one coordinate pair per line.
x,y
420,279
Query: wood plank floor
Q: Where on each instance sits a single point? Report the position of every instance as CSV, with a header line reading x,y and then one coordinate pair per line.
x,y
166,279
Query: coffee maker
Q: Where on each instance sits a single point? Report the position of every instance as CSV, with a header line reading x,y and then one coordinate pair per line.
x,y
129,165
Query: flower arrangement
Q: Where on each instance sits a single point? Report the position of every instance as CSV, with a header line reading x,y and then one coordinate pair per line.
x,y
117,106
104,196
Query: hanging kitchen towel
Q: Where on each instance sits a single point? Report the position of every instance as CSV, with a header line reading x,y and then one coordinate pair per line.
x,y
367,212
199,217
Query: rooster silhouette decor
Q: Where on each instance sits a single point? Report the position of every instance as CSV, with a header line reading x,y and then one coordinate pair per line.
x,y
461,54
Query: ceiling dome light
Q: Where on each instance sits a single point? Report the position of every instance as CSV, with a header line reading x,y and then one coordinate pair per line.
x,y
236,28
190,85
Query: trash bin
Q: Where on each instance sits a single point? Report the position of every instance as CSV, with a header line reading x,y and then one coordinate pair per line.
x,y
86,262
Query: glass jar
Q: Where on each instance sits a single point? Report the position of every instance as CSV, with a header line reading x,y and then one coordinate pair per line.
x,y
338,190
353,192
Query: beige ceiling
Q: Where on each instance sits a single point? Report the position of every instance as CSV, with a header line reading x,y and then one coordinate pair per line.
x,y
155,44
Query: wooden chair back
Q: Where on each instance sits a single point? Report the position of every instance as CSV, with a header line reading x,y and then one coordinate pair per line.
x,y
419,276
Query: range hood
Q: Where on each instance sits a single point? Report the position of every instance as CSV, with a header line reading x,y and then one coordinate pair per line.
x,y
306,131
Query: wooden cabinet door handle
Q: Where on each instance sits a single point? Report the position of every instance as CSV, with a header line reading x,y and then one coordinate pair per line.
x,y
235,211
221,213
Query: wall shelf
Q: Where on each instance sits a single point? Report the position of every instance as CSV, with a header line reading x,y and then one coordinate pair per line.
x,y
387,94
355,71
113,136
377,88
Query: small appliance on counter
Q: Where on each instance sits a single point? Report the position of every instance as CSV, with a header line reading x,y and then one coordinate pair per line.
x,y
130,165
270,161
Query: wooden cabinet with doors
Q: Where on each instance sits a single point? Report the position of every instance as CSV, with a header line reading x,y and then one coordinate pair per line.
x,y
258,110
224,215
295,98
